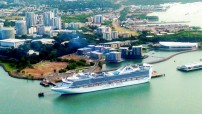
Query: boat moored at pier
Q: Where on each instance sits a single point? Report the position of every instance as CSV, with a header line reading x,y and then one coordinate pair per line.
x,y
89,82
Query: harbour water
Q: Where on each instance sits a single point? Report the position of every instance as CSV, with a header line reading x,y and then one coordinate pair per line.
x,y
191,12
176,93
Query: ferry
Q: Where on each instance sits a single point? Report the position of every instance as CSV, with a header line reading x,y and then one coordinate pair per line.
x,y
90,82
190,67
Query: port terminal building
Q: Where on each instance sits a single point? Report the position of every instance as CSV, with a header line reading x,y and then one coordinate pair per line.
x,y
177,45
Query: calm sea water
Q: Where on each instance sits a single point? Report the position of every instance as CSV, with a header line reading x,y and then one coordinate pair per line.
x,y
176,93
191,12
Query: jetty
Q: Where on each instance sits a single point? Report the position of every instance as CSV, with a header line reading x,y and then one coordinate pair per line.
x,y
155,74
47,83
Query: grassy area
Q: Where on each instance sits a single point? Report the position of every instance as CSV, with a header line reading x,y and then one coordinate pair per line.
x,y
8,66
13,18
44,68
75,18
121,29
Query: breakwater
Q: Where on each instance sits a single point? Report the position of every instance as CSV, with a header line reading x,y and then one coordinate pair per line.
x,y
171,56
157,61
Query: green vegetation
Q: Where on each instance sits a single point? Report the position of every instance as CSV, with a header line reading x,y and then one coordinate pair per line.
x,y
100,64
108,23
8,23
21,59
78,5
74,65
75,18
144,16
8,66
123,14
182,36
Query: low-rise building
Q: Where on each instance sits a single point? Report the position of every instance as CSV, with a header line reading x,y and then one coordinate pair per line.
x,y
12,43
44,41
7,33
99,48
95,55
83,51
116,44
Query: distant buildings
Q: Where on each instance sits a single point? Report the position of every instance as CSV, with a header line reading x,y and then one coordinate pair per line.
x,y
56,23
113,57
51,19
55,12
107,36
114,34
74,25
101,29
47,18
21,28
125,35
41,30
117,44
7,33
98,19
30,19
134,53
107,33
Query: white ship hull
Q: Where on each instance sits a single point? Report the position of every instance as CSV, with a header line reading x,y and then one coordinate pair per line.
x,y
67,90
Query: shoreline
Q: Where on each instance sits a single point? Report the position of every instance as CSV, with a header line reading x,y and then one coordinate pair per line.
x,y
12,74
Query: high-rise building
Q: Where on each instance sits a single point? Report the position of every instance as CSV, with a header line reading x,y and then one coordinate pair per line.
x,y
115,34
56,22
7,33
21,28
98,19
107,36
30,19
47,18
55,12
113,57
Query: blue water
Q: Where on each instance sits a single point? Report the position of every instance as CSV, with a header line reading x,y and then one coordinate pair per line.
x,y
176,93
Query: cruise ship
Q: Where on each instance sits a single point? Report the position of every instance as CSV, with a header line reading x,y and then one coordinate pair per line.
x,y
90,82
190,67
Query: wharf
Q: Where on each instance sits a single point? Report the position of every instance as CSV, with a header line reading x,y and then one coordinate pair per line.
x,y
46,83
